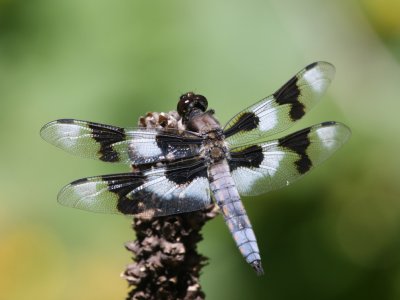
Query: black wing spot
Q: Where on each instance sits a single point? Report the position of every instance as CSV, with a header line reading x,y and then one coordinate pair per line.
x,y
289,93
299,142
126,184
303,164
173,143
106,136
297,111
187,171
245,122
250,157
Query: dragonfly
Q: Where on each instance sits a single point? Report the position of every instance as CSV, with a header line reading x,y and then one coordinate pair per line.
x,y
184,169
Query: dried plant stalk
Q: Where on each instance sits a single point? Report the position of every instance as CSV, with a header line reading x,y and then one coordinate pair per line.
x,y
166,262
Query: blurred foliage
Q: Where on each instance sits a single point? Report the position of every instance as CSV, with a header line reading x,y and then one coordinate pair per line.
x,y
333,235
384,16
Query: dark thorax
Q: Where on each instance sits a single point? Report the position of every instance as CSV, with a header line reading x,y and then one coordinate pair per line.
x,y
192,108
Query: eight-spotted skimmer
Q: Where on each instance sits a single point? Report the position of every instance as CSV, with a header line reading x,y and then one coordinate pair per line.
x,y
180,170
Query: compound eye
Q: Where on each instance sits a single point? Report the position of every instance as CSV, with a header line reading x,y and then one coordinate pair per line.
x,y
189,101
185,103
201,102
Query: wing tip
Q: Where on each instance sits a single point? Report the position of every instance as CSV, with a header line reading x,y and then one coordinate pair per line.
x,y
327,68
62,195
343,127
69,196
45,131
320,63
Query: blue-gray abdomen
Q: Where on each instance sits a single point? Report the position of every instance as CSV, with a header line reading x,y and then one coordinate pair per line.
x,y
228,199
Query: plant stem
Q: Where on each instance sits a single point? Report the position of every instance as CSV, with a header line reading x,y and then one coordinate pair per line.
x,y
166,262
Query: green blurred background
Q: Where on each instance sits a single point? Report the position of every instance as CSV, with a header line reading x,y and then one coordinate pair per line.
x,y
333,235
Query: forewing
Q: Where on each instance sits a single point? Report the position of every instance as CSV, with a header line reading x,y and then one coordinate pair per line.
x,y
261,168
282,109
115,144
171,189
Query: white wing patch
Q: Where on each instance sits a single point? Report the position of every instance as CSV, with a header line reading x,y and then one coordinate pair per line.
x,y
144,147
268,116
314,78
198,187
272,161
169,190
328,135
67,135
165,189
245,179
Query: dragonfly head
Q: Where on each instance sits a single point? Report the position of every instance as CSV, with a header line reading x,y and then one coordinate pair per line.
x,y
190,104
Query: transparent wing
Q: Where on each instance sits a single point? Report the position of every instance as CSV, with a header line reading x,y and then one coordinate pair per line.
x,y
261,168
282,109
171,189
115,144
